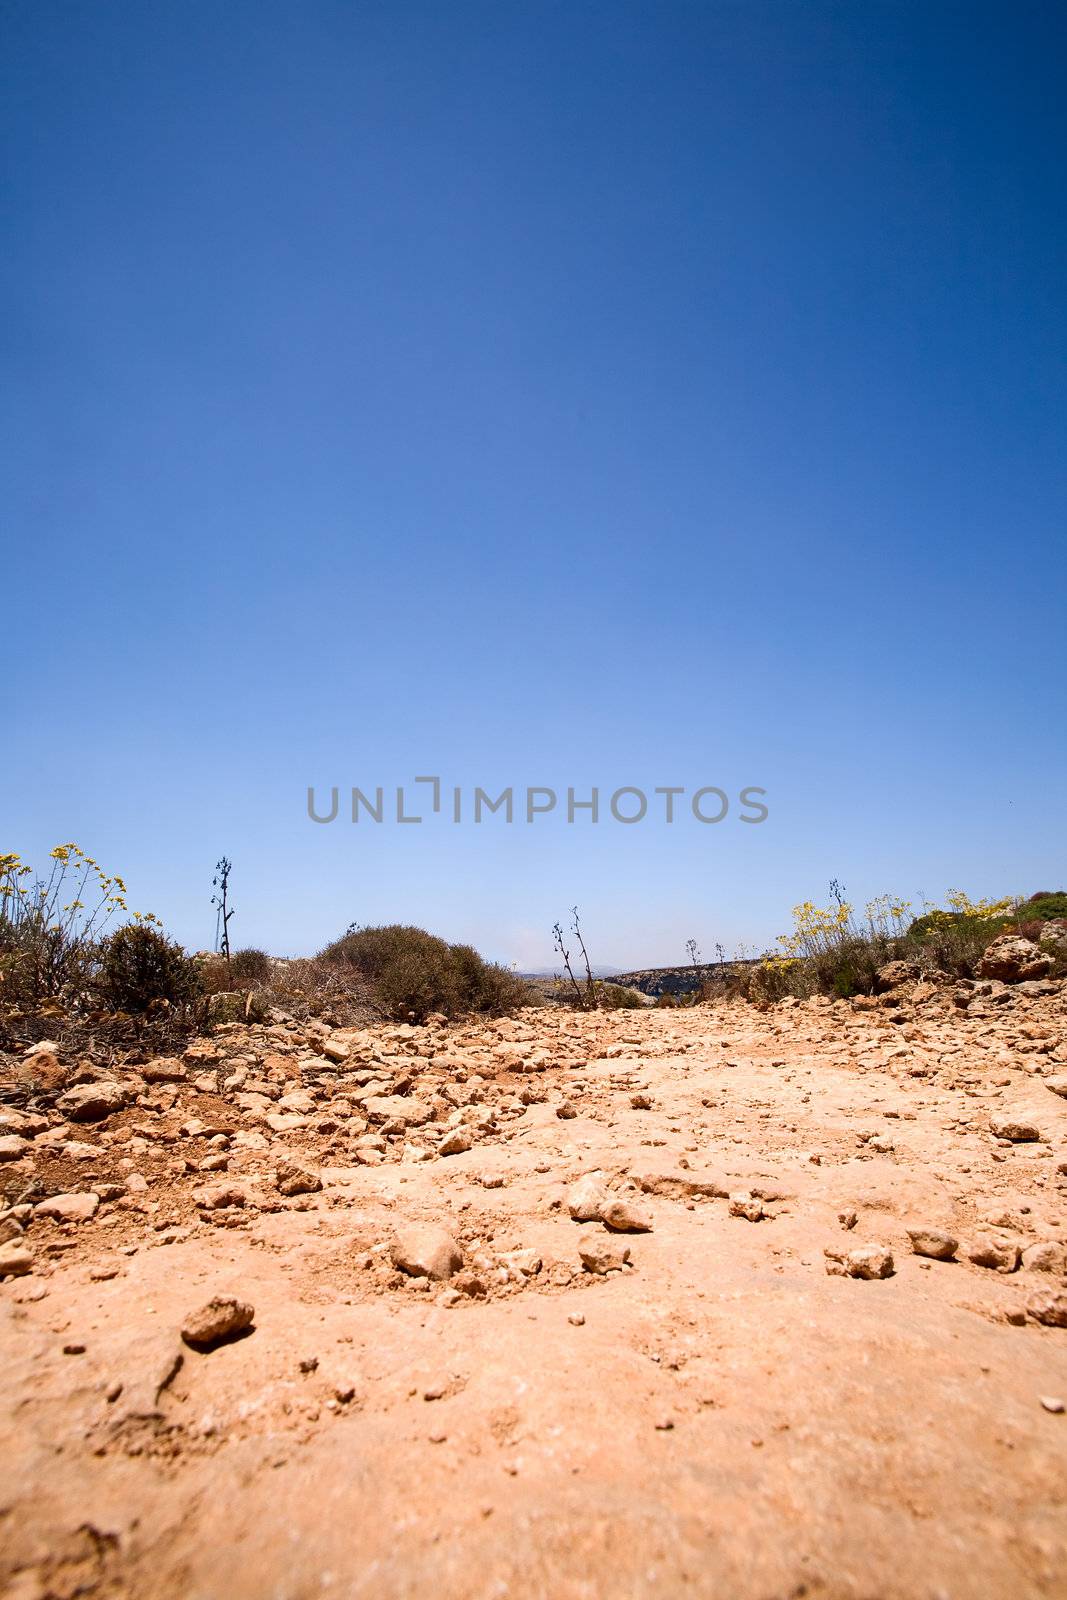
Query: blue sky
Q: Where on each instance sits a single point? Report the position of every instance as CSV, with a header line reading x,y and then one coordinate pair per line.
x,y
570,395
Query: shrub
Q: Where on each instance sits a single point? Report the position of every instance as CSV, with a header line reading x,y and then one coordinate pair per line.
x,y
953,939
250,968
617,997
141,968
412,973
49,927
1045,907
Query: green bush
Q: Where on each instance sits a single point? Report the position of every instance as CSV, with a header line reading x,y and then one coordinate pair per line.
x,y
141,968
1044,907
617,997
412,973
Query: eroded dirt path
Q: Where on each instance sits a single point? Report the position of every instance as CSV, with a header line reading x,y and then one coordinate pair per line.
x,y
720,1416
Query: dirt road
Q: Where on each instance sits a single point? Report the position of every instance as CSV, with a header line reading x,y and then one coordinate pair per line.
x,y
725,1413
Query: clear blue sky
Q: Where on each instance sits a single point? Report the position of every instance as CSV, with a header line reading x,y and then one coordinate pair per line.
x,y
533,393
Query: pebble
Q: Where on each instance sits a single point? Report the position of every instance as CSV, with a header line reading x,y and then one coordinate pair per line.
x,y
932,1242
622,1217
862,1261
221,1318
16,1259
1015,1129
292,1178
455,1143
1048,1255
427,1251
601,1255
748,1206
93,1102
1049,1307
586,1197
69,1207
1000,1255
1053,1403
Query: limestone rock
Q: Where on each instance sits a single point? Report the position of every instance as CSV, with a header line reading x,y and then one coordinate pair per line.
x,y
427,1252
932,1242
1017,1129
622,1217
93,1102
1048,1255
69,1207
1049,1307
16,1259
1014,959
600,1254
455,1143
291,1178
219,1319
862,1261
1000,1255
894,974
586,1197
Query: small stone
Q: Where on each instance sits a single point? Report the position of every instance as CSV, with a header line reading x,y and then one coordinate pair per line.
x,y
863,1261
427,1252
219,1319
586,1197
1048,1255
13,1147
164,1069
455,1143
1000,1255
641,1102
69,1207
743,1204
934,1243
523,1263
93,1102
576,1319
622,1217
15,1259
1053,1403
1014,1129
1049,1307
220,1197
602,1255
847,1219
291,1178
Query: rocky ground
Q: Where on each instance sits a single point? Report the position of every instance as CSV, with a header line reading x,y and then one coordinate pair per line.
x,y
716,1301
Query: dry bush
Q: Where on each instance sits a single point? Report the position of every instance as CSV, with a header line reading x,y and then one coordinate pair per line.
x,y
141,969
411,973
618,997
50,927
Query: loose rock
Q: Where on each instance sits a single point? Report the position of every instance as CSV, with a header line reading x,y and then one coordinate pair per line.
x,y
427,1252
601,1255
219,1319
934,1243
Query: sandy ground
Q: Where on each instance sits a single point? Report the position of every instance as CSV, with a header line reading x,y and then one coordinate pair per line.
x,y
721,1415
